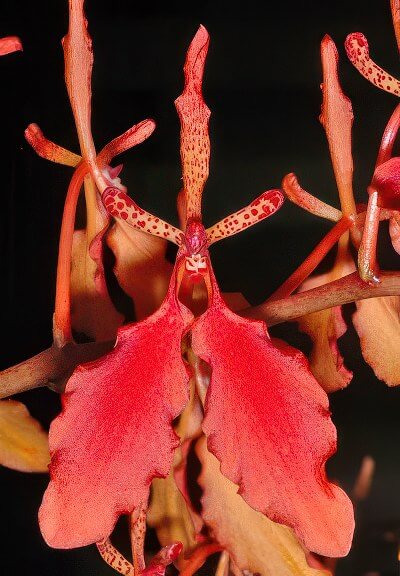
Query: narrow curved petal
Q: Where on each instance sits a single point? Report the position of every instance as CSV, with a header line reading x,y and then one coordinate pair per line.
x,y
267,421
307,201
358,52
377,321
337,120
194,116
132,137
48,149
10,44
255,543
114,434
262,207
23,442
121,206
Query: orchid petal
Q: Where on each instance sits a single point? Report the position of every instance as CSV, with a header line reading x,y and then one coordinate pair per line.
x,y
326,363
262,207
48,149
337,120
394,231
326,327
170,512
194,116
267,421
115,433
23,442
78,56
395,8
255,543
377,322
10,44
140,266
114,558
358,52
92,311
307,201
121,206
132,137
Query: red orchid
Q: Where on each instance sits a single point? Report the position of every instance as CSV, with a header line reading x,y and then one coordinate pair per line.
x,y
266,418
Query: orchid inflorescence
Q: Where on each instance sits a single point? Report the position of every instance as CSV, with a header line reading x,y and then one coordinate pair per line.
x,y
138,397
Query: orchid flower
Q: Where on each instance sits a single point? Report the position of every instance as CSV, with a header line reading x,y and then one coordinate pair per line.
x,y
115,432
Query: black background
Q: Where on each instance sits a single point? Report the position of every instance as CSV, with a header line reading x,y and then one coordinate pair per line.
x,y
262,86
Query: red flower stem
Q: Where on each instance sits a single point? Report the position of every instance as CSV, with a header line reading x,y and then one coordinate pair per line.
x,y
49,368
198,558
62,314
348,289
313,259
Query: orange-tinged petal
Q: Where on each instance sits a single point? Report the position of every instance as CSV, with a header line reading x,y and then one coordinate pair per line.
x,y
326,327
326,363
395,8
114,434
194,116
307,201
78,57
358,52
394,230
140,266
169,515
10,44
48,149
377,321
92,311
337,119
23,442
267,421
255,542
132,137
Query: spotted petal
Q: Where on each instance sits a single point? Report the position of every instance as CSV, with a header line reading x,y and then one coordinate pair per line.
x,y
358,52
267,421
115,434
194,116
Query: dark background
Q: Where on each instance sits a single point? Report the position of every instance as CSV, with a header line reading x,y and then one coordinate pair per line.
x,y
262,86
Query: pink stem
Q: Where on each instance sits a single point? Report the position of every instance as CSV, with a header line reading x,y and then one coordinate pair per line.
x,y
388,138
313,259
62,314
